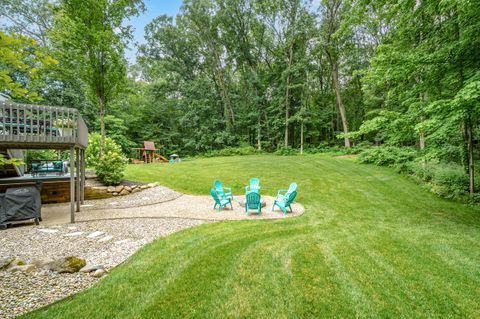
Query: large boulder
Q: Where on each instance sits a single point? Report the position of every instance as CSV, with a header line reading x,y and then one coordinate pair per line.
x,y
68,264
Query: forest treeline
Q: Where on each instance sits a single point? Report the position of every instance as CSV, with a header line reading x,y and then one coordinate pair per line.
x,y
271,74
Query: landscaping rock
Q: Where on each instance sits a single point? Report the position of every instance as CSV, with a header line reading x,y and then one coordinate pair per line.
x,y
99,273
105,239
152,185
144,187
135,190
74,234
127,188
42,263
48,231
101,188
95,234
69,264
124,192
118,188
23,268
16,262
115,194
5,262
90,268
111,189
133,187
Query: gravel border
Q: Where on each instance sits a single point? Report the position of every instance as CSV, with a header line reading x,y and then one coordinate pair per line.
x,y
22,292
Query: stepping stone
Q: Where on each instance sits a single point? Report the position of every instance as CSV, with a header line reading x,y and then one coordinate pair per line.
x,y
78,233
121,241
48,231
95,234
104,239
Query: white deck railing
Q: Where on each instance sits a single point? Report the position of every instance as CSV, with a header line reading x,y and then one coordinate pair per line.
x,y
40,124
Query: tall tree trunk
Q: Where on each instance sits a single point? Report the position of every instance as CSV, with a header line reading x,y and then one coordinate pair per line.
x,y
259,137
468,138
287,94
102,124
301,138
341,107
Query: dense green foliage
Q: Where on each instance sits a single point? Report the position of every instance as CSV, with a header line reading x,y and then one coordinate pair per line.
x,y
92,154
110,168
277,75
371,244
110,165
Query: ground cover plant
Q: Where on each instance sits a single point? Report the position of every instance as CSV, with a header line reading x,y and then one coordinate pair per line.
x,y
371,244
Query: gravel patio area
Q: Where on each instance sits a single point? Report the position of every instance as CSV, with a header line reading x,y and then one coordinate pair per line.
x,y
108,231
102,242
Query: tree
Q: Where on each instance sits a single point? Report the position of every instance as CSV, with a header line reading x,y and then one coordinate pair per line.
x,y
20,61
331,38
32,18
92,38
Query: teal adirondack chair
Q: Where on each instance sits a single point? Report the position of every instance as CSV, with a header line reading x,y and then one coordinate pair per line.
x,y
223,192
253,201
254,186
284,193
283,202
220,202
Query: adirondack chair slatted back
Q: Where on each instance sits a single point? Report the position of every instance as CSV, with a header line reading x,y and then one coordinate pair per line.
x,y
254,185
214,195
252,201
291,189
291,198
218,186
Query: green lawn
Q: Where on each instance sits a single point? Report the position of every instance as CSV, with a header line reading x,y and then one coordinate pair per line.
x,y
370,244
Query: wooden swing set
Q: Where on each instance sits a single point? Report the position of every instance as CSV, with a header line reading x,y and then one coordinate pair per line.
x,y
147,154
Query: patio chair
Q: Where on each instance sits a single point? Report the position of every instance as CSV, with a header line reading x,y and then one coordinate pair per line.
x,y
223,192
221,203
254,186
285,203
286,192
253,201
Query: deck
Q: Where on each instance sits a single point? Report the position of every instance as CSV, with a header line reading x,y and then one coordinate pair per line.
x,y
28,126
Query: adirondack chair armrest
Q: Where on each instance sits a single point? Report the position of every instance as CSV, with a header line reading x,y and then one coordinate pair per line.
x,y
284,191
228,190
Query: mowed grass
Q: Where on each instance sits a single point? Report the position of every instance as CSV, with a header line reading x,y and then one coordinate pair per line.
x,y
372,244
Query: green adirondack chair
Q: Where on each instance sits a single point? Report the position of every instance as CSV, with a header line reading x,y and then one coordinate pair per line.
x,y
284,193
253,201
285,203
223,192
254,186
221,203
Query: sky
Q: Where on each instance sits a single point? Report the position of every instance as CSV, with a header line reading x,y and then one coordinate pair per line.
x,y
153,8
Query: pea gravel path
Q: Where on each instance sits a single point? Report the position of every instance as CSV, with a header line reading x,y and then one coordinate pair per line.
x,y
22,292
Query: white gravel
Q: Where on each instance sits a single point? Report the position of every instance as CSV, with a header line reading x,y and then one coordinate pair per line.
x,y
149,196
23,292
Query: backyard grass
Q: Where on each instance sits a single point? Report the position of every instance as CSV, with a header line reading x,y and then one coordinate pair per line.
x,y
370,244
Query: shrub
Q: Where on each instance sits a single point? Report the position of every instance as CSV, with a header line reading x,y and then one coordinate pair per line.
x,y
286,151
387,155
232,151
110,168
92,154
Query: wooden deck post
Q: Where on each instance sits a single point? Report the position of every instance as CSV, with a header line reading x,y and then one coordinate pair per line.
x,y
82,184
72,184
77,180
